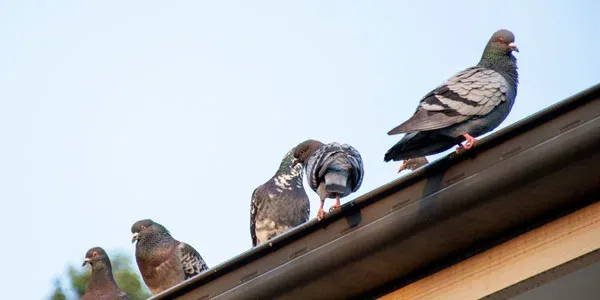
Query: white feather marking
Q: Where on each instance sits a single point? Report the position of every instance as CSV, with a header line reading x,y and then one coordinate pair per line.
x,y
283,181
432,107
267,228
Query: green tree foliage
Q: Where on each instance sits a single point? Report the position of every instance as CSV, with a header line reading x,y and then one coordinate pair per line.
x,y
123,270
58,293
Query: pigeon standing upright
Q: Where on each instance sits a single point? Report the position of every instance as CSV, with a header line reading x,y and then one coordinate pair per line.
x,y
102,284
471,103
332,170
280,203
163,261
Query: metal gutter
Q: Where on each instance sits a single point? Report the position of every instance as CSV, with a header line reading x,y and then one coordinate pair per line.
x,y
521,176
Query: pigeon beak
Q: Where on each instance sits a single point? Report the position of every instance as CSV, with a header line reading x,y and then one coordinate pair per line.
x,y
135,237
86,261
513,47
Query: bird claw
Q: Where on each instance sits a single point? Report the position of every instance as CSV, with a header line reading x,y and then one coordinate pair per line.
x,y
334,207
460,149
320,214
413,163
469,143
402,166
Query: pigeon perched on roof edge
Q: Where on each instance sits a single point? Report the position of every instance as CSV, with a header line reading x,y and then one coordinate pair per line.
x,y
469,104
163,261
102,284
279,204
332,170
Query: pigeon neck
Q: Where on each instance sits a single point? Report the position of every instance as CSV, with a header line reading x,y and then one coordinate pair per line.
x,y
501,63
149,243
101,275
287,165
288,176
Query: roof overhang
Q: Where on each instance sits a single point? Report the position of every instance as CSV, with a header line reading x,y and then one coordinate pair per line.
x,y
516,179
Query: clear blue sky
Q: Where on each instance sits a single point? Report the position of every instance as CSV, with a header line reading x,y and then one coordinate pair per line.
x,y
114,111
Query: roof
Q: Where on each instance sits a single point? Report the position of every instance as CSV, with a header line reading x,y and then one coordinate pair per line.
x,y
515,179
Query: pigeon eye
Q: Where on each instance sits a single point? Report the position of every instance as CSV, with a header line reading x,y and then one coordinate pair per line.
x,y
95,254
500,40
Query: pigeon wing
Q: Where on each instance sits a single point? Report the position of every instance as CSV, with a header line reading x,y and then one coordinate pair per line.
x,y
357,166
191,261
469,94
253,211
332,153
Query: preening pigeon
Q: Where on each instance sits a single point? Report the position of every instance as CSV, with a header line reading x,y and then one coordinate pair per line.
x,y
332,170
471,103
163,261
280,203
102,284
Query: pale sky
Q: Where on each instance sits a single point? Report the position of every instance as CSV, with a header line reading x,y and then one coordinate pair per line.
x,y
115,111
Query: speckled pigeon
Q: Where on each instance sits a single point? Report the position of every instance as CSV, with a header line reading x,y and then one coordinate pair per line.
x,y
102,284
280,203
332,170
163,261
471,103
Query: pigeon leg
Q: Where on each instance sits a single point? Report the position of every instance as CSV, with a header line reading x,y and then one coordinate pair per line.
x,y
470,142
337,203
321,212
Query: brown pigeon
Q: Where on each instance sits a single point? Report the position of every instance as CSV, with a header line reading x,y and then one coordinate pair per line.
x,y
102,283
163,261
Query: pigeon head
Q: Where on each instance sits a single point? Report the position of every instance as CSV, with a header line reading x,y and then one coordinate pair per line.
x,y
498,55
501,43
145,228
304,150
96,257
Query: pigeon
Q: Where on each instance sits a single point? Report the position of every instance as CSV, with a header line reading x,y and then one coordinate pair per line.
x,y
332,170
280,203
102,283
469,104
163,261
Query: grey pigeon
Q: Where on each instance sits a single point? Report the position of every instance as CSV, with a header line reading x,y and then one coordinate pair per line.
x,y
332,170
280,203
102,284
469,104
163,261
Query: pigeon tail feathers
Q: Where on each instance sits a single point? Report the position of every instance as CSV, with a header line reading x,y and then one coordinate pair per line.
x,y
336,181
419,144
